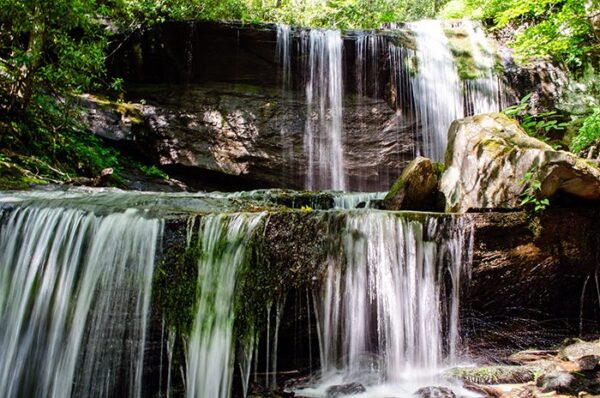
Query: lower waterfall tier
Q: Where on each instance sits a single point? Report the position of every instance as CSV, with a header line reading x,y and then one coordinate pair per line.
x,y
216,295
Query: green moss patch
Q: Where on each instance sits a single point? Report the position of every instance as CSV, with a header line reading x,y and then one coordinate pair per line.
x,y
492,374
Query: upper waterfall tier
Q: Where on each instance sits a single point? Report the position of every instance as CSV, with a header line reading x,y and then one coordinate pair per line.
x,y
299,108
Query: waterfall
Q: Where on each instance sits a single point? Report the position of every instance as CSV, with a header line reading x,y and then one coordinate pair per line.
x,y
390,313
367,64
323,131
482,93
223,240
74,301
436,87
350,200
284,54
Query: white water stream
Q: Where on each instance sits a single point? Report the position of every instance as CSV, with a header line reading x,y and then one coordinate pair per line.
x,y
382,314
74,301
223,240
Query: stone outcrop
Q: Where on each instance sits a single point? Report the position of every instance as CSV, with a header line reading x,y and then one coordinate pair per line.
x,y
416,188
247,135
488,157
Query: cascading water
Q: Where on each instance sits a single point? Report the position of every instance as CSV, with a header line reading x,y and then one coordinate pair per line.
x,y
482,93
284,54
351,200
74,301
436,87
222,240
367,64
323,141
381,314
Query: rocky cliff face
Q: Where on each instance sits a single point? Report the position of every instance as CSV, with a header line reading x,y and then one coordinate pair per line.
x,y
256,134
204,110
532,283
209,110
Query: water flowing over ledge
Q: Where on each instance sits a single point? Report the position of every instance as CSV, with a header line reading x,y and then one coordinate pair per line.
x,y
74,302
196,300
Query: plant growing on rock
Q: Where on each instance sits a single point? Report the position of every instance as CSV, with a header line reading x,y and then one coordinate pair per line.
x,y
589,134
531,198
538,125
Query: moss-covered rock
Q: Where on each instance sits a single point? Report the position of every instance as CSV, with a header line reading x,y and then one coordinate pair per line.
x,y
416,188
492,374
13,176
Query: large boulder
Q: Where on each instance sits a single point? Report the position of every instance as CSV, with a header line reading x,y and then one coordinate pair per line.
x,y
488,157
416,188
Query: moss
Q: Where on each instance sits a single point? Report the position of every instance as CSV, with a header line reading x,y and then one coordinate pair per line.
x,y
461,48
14,177
402,38
439,167
496,147
175,280
277,262
129,110
492,374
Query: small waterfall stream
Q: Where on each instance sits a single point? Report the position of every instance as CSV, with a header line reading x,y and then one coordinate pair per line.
x,y
223,241
483,92
388,317
323,140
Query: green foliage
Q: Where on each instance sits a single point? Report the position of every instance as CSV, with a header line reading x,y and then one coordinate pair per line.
x,y
589,133
340,14
538,125
153,171
49,49
531,197
49,52
558,29
581,95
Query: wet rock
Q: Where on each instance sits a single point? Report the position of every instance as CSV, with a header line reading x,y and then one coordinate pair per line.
x,y
435,392
521,282
416,188
585,394
578,349
532,356
569,383
588,362
486,391
258,391
523,392
488,157
345,389
556,381
492,374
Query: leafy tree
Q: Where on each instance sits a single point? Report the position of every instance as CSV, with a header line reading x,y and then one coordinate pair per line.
x,y
50,51
560,29
49,48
